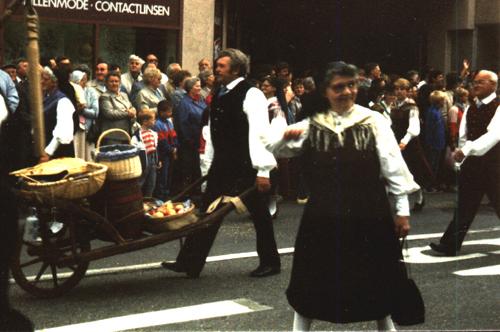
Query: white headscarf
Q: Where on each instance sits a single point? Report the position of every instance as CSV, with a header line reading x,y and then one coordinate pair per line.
x,y
134,57
76,76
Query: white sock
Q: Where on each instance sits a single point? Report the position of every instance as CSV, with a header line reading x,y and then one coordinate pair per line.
x,y
386,324
301,323
272,205
420,196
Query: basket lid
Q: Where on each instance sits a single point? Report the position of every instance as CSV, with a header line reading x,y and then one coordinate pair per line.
x,y
116,152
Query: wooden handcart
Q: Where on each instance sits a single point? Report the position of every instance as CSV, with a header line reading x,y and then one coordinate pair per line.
x,y
57,263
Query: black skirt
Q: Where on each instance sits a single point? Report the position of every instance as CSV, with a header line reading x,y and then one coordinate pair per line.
x,y
344,269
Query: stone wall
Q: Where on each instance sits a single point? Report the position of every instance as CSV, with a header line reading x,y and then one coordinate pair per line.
x,y
198,33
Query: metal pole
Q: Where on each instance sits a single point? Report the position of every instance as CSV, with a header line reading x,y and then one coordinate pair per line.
x,y
35,87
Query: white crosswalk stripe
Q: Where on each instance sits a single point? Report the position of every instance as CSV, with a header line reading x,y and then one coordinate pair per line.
x,y
165,317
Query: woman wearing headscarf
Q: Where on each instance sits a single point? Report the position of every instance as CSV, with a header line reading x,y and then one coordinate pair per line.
x,y
87,115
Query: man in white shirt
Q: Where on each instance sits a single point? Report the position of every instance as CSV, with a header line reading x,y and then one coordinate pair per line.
x,y
479,155
237,160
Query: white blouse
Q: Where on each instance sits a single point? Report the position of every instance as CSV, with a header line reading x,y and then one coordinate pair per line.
x,y
400,181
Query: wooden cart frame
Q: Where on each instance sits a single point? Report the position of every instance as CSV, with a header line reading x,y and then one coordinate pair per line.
x,y
60,262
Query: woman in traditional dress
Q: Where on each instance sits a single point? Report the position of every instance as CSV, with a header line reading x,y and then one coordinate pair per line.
x,y
347,251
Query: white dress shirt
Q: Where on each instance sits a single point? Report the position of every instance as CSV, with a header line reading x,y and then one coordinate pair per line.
x,y
483,144
255,107
63,131
393,168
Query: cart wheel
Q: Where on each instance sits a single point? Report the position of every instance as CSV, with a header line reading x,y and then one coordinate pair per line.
x,y
35,266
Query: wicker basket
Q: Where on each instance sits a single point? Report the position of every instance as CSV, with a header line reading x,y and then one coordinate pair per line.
x,y
71,187
170,223
123,160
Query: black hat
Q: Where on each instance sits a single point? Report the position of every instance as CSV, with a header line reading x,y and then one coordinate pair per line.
x,y
9,66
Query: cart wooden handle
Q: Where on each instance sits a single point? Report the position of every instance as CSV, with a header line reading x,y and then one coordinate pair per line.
x,y
109,131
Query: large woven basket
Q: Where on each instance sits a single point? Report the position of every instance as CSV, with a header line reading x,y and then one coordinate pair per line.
x,y
123,160
71,187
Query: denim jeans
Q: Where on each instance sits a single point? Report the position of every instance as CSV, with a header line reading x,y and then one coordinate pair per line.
x,y
148,177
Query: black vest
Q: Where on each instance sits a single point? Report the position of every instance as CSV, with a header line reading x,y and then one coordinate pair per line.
x,y
343,173
229,134
477,123
400,118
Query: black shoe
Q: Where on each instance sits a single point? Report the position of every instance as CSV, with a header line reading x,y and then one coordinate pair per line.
x,y
173,266
418,206
264,271
176,267
443,249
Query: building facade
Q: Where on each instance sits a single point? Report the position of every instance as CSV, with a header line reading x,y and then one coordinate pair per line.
x,y
85,30
464,29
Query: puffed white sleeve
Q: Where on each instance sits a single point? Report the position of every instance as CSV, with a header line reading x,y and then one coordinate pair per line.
x,y
399,180
63,131
255,107
282,148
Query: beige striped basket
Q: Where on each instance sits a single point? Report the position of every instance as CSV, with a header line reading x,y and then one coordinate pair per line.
x,y
71,187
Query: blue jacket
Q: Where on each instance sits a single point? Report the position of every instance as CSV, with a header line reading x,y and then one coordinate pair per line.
x,y
190,113
167,138
434,129
9,91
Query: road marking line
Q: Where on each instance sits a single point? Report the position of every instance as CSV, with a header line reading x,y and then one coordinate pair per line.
x,y
438,235
166,317
416,255
482,271
150,266
282,251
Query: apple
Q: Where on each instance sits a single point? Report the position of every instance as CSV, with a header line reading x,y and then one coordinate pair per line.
x,y
159,215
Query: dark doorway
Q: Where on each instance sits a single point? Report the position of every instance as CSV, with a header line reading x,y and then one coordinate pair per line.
x,y
308,33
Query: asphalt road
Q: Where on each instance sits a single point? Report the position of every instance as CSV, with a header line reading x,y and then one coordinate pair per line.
x,y
460,294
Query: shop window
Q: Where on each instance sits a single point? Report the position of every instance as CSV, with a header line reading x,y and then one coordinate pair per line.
x,y
71,40
117,43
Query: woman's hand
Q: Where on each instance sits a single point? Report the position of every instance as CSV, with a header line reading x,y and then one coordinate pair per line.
x,y
292,134
402,225
132,112
402,146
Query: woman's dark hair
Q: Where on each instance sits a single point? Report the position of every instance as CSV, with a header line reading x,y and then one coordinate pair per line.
x,y
316,101
179,77
337,68
279,84
64,85
113,74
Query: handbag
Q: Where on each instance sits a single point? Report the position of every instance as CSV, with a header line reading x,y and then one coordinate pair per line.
x,y
409,306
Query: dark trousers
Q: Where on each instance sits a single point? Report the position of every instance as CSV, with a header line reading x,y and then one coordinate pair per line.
x,y
197,246
477,177
162,189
